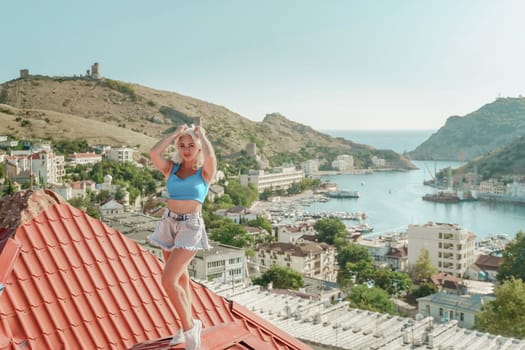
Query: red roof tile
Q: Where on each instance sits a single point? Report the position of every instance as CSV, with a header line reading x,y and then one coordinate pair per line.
x,y
71,282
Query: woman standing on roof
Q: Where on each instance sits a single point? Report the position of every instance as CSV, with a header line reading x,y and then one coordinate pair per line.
x,y
181,232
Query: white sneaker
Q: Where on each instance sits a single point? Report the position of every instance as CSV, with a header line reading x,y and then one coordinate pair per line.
x,y
177,338
193,336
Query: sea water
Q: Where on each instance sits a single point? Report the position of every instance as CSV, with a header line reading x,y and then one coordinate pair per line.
x,y
393,200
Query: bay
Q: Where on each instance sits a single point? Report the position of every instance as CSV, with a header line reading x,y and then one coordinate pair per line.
x,y
393,200
399,141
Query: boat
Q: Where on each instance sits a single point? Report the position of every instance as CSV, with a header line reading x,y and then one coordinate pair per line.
x,y
343,194
362,228
442,197
447,196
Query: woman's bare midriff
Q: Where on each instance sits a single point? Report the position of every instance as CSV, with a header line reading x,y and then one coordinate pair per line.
x,y
184,206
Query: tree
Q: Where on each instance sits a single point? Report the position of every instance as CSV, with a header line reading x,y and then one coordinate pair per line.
x,y
232,234
8,188
393,282
241,195
513,259
373,299
281,278
262,222
504,315
355,263
424,289
329,229
423,269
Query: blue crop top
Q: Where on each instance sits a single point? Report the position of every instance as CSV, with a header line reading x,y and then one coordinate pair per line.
x,y
192,187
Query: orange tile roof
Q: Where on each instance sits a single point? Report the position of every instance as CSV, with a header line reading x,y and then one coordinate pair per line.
x,y
71,282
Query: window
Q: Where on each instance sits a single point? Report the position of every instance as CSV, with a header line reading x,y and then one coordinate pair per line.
x,y
462,317
218,263
448,236
235,272
440,311
234,261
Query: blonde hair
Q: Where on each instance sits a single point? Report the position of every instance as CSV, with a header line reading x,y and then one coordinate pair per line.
x,y
199,161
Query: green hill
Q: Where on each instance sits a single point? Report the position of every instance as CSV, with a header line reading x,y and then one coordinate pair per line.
x,y
105,111
464,138
507,161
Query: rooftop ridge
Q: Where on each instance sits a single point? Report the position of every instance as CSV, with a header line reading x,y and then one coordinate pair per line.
x,y
21,207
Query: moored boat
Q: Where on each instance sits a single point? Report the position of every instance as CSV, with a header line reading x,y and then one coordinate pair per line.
x,y
343,194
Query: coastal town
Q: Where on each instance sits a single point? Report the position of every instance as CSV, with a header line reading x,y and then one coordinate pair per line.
x,y
467,266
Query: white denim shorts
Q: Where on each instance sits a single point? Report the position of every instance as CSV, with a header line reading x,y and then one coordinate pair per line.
x,y
185,231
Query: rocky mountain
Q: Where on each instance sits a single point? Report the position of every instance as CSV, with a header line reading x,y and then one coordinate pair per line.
x,y
464,138
105,111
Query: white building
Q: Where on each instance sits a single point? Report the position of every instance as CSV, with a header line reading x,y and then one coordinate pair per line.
x,y
122,154
48,166
315,260
85,158
387,251
445,307
8,143
223,263
292,233
310,166
281,178
378,162
343,163
74,189
516,189
451,248
43,167
492,186
111,207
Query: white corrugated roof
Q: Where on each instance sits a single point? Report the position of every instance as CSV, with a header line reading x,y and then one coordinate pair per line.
x,y
346,328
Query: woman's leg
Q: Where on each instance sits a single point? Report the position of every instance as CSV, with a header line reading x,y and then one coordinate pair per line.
x,y
176,286
184,281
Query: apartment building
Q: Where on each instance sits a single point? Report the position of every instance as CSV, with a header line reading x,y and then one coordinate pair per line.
x,y
310,166
343,162
121,155
450,247
280,178
48,166
222,262
316,260
42,167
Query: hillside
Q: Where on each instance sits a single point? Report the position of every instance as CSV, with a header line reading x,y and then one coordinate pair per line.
x,y
118,113
507,161
464,138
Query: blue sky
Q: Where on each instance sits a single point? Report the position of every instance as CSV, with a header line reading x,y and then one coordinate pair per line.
x,y
386,64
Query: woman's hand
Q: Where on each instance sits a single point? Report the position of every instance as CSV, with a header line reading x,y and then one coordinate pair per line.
x,y
199,132
180,130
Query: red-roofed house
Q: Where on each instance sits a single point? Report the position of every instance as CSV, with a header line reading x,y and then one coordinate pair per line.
x,y
68,281
485,268
448,283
